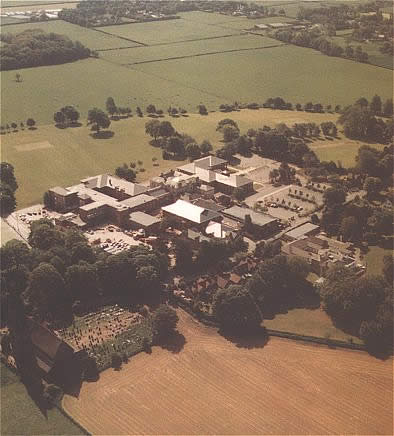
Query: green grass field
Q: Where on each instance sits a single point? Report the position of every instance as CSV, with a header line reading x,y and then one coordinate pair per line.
x,y
21,416
345,152
159,32
187,49
374,259
88,83
89,37
309,322
7,233
295,73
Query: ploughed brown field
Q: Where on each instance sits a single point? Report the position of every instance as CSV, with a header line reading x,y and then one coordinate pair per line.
x,y
213,386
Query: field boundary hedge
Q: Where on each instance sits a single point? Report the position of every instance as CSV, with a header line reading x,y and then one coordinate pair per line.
x,y
117,36
233,50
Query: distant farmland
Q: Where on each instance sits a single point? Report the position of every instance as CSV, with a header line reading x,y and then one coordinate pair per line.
x,y
215,63
92,39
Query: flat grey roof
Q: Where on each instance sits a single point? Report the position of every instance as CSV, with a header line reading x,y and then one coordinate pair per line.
x,y
143,218
240,213
138,200
301,230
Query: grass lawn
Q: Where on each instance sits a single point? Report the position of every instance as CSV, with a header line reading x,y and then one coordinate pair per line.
x,y
7,233
157,32
187,49
88,83
89,37
309,322
21,416
343,151
72,154
374,259
297,74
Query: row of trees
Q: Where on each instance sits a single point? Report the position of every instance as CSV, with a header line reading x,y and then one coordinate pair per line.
x,y
8,186
33,48
7,128
174,144
63,274
314,39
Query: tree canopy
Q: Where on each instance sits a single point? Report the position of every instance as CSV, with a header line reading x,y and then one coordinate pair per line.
x,y
34,47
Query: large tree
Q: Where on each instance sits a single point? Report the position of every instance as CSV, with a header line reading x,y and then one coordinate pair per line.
x,y
152,128
235,310
164,322
7,175
98,119
111,106
47,293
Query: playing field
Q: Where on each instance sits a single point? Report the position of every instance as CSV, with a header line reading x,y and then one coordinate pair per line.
x,y
21,416
73,154
213,386
343,151
309,322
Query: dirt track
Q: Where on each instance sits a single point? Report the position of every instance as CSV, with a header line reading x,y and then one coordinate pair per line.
x,y
213,386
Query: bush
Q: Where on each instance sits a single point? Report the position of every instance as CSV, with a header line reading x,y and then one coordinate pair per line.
x,y
52,394
116,361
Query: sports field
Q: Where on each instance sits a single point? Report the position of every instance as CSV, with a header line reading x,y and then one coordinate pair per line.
x,y
73,154
309,322
21,416
343,151
213,386
49,156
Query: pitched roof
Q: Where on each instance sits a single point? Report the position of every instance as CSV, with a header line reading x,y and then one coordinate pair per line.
x,y
47,345
209,161
189,211
109,181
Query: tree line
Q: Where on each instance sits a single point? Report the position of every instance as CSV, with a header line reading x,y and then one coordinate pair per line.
x,y
314,39
8,186
34,47
62,275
